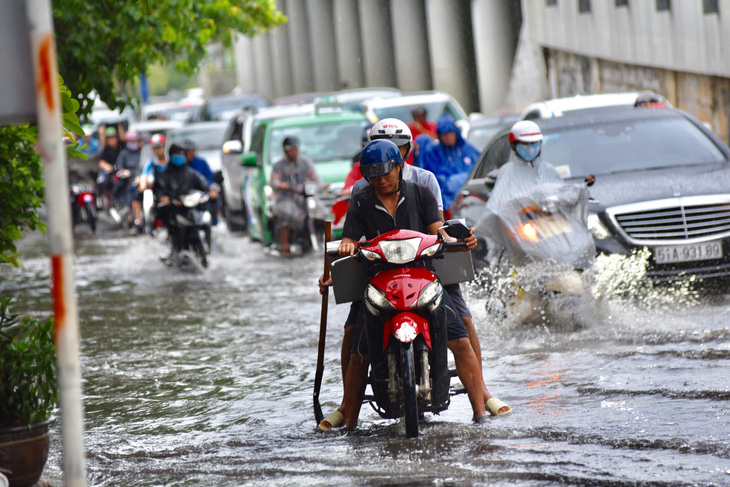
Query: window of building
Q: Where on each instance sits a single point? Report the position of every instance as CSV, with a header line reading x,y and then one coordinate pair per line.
x,y
622,3
710,6
662,5
584,6
551,2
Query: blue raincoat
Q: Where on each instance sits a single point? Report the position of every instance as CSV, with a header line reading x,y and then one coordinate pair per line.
x,y
450,164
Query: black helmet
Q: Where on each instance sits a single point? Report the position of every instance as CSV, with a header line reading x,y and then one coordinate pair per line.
x,y
290,142
175,148
379,157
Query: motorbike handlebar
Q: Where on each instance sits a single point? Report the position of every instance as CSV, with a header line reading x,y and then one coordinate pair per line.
x,y
455,245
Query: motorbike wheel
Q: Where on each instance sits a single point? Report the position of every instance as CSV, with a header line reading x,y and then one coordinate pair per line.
x,y
91,217
200,250
410,396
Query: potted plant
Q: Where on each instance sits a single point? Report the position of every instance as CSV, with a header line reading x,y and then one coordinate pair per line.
x,y
28,394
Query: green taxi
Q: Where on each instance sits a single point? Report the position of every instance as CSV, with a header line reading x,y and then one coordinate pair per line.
x,y
329,136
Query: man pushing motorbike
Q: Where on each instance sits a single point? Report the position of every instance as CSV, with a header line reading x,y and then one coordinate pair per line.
x,y
399,133
383,206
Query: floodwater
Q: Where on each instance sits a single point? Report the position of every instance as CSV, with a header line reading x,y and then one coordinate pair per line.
x,y
207,380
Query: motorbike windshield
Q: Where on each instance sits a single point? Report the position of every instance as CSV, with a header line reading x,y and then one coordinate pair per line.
x,y
543,222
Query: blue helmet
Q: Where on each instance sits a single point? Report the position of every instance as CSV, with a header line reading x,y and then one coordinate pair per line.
x,y
379,157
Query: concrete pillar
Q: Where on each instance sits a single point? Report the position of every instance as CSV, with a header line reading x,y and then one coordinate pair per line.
x,y
452,50
496,32
322,44
410,37
377,43
299,47
243,53
347,40
281,61
263,71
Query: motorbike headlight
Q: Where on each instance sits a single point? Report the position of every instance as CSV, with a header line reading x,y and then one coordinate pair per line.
x,y
377,298
597,228
528,232
400,251
370,255
430,296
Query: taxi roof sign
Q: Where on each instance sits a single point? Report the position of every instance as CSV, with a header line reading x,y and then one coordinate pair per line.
x,y
17,96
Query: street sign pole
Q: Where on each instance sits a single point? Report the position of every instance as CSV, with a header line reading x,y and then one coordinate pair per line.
x,y
52,151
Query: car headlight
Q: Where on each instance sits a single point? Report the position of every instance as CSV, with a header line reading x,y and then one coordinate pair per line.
x,y
597,228
377,298
400,251
430,296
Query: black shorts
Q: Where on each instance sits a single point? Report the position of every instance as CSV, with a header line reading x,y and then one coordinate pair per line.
x,y
454,290
454,326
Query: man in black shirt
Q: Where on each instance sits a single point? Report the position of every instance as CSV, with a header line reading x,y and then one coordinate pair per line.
x,y
381,207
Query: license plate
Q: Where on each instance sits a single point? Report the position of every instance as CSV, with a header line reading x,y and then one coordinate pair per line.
x,y
688,253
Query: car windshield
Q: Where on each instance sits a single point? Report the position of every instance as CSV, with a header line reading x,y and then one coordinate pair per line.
x,y
479,136
204,138
627,145
322,142
404,112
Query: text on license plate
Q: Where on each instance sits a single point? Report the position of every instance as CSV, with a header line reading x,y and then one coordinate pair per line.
x,y
688,253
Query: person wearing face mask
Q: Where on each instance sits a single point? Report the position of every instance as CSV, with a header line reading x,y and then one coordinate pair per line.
x,y
525,167
128,163
177,180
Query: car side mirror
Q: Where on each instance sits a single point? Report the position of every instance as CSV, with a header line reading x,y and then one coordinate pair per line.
x,y
590,180
249,160
232,147
456,228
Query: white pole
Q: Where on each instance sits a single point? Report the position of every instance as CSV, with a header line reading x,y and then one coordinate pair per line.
x,y
52,151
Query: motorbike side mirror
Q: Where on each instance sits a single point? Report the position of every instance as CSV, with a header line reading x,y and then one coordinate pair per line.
x,y
249,160
456,228
590,180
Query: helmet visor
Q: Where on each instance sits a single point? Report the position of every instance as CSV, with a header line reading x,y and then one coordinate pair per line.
x,y
373,170
397,139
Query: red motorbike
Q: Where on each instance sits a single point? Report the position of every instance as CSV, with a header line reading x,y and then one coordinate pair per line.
x,y
404,317
83,205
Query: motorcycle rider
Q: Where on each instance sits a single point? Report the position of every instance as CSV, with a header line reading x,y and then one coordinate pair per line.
x,y
450,158
288,177
525,168
399,133
382,164
129,163
171,184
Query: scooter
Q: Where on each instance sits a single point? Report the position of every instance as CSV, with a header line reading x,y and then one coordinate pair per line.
x,y
404,317
83,205
188,222
120,208
540,245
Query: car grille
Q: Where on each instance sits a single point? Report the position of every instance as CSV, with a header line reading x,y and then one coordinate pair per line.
x,y
675,220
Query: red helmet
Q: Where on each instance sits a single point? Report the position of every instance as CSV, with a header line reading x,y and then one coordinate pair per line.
x,y
525,131
158,140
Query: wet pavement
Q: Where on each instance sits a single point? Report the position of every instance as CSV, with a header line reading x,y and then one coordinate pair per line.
x,y
207,380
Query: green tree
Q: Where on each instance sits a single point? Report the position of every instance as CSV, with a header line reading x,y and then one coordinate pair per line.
x,y
105,45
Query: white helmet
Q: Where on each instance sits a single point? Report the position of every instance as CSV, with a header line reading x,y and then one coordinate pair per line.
x,y
525,138
525,131
393,130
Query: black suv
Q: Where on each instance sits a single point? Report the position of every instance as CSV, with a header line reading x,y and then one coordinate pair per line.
x,y
662,182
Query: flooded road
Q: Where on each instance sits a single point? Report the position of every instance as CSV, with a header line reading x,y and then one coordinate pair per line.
x,y
207,380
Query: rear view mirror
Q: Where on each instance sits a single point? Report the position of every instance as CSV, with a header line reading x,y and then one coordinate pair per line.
x,y
249,160
456,228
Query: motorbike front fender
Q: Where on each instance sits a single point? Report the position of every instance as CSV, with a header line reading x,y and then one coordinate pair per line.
x,y
405,327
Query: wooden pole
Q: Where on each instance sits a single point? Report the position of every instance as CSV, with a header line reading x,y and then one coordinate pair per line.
x,y
322,328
